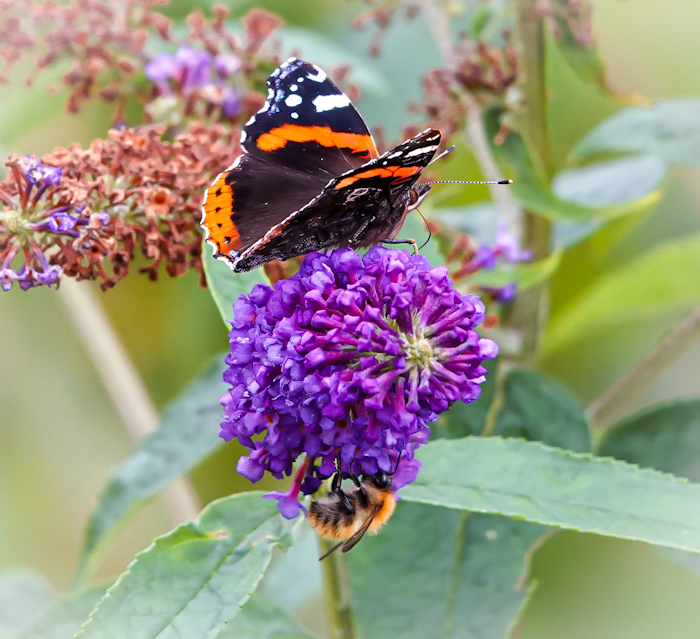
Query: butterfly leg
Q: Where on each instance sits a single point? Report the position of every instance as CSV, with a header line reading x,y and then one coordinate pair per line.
x,y
410,241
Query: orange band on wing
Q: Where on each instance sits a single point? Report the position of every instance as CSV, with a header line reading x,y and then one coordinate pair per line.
x,y
277,139
397,172
218,209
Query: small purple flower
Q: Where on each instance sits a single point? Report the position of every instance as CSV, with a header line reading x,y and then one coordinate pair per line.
x,y
503,294
38,173
505,244
349,361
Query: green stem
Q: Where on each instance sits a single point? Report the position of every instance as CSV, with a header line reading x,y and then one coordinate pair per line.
x,y
337,593
531,309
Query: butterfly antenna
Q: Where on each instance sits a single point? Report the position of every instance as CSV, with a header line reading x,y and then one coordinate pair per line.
x,y
470,182
443,154
427,226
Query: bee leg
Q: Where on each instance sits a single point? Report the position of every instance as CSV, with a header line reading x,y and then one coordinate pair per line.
x,y
337,481
355,479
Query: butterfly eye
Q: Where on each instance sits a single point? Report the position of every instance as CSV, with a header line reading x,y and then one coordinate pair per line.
x,y
413,197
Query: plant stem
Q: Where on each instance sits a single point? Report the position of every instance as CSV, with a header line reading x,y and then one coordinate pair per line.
x,y
655,362
531,308
337,593
122,382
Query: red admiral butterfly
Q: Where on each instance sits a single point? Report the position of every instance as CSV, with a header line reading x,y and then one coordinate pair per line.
x,y
310,177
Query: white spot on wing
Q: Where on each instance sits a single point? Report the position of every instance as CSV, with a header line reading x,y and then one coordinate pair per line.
x,y
265,107
293,100
244,135
251,121
328,102
422,151
295,115
300,80
294,87
319,76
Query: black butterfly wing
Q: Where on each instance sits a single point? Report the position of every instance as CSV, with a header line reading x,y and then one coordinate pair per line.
x,y
308,124
359,208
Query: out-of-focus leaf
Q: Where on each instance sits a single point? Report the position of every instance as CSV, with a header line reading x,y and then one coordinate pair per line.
x,y
583,58
436,572
670,130
23,596
534,193
480,220
261,619
524,274
666,438
187,434
192,581
664,280
224,284
612,182
63,618
414,228
534,482
538,408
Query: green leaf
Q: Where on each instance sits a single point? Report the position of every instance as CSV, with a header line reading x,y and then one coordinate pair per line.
x,y
261,619
63,618
584,60
192,581
538,408
665,437
23,596
670,130
534,482
225,285
532,190
436,572
187,434
612,182
663,281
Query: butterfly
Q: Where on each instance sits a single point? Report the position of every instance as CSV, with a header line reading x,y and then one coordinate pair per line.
x,y
310,177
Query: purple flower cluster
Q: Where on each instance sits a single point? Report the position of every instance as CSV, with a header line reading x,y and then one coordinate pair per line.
x,y
349,361
193,70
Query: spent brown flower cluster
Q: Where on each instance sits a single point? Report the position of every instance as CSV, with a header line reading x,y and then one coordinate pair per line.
x,y
380,15
134,190
103,39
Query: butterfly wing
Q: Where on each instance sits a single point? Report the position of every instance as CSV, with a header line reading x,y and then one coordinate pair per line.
x,y
308,124
361,207
306,134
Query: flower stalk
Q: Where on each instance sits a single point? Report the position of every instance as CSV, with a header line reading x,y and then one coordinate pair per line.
x,y
337,593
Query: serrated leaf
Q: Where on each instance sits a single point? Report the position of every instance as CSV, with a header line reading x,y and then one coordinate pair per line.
x,y
435,572
666,438
664,280
612,182
538,408
186,435
63,618
669,130
261,619
532,190
23,596
192,581
545,485
225,285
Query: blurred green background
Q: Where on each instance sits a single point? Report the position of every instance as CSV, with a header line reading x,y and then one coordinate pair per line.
x,y
60,434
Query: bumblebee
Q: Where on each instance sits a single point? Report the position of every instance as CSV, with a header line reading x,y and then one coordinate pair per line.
x,y
346,515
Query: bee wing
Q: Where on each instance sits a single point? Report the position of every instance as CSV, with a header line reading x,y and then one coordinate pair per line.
x,y
332,550
352,542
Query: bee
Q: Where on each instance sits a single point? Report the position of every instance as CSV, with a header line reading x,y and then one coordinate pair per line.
x,y
345,515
